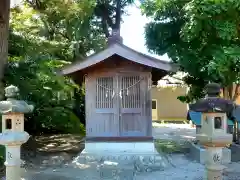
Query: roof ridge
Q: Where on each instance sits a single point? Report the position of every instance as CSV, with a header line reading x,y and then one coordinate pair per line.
x,y
123,51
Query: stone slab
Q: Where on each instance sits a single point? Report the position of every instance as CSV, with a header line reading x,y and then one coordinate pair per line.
x,y
235,149
141,162
109,171
198,154
69,173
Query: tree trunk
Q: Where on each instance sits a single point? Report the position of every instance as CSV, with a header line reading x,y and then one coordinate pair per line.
x,y
78,109
225,93
4,28
118,15
236,92
231,92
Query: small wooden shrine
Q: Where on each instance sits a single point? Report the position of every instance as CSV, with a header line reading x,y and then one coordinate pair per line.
x,y
118,84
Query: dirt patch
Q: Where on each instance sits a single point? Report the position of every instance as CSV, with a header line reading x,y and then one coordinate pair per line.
x,y
51,150
55,143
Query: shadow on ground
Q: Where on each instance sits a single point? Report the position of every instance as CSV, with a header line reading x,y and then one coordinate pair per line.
x,y
51,150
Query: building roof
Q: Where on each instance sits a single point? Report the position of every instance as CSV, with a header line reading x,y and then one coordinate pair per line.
x,y
123,51
172,80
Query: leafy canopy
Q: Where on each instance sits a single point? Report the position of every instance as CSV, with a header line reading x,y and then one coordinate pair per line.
x,y
46,35
42,41
202,36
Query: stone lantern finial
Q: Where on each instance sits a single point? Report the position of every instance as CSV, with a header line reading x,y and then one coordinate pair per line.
x,y
12,105
11,91
213,89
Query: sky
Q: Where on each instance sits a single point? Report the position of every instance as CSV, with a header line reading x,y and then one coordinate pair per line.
x,y
132,30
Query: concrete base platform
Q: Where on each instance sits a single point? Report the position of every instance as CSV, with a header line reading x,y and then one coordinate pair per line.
x,y
121,147
198,154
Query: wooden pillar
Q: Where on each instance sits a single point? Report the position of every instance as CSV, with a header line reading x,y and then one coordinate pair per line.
x,y
117,101
149,102
236,132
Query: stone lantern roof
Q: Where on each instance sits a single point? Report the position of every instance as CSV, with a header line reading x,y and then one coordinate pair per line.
x,y
12,105
212,102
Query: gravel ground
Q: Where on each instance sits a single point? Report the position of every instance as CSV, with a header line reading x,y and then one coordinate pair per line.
x,y
182,169
173,131
185,169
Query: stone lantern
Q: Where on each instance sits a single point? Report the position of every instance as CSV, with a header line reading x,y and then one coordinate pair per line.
x,y
13,134
213,136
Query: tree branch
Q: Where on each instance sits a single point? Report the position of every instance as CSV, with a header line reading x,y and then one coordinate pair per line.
x,y
177,78
230,91
36,4
64,35
169,82
105,27
109,21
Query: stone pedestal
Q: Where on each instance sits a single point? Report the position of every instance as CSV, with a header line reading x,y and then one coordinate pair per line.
x,y
214,174
214,165
13,141
198,153
13,162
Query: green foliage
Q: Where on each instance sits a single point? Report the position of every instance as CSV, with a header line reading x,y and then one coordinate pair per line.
x,y
202,36
168,146
50,93
42,40
65,29
2,151
46,35
2,155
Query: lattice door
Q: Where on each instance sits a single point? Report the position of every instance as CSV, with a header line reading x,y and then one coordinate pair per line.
x,y
105,107
119,106
130,106
105,93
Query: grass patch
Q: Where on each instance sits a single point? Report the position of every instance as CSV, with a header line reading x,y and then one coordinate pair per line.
x,y
2,155
2,149
168,146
